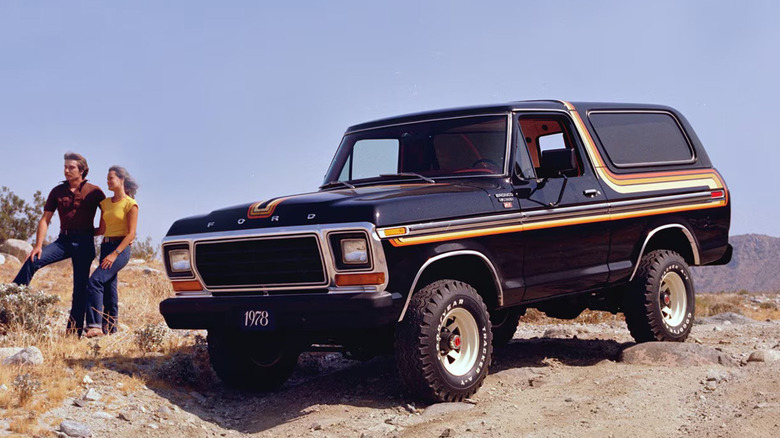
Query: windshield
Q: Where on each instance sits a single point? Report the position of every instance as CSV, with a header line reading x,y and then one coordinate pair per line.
x,y
465,146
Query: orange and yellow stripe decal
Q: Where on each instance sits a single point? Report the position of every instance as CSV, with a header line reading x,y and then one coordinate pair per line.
x,y
643,182
553,223
264,209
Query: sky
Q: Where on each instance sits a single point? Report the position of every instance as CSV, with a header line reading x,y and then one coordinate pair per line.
x,y
210,104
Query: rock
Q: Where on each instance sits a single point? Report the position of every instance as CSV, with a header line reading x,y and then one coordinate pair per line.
x,y
27,356
3,388
446,433
126,415
675,354
2,259
164,412
17,248
7,352
87,380
137,261
150,271
74,429
104,415
11,261
764,356
718,376
200,398
79,402
727,318
559,332
445,408
92,395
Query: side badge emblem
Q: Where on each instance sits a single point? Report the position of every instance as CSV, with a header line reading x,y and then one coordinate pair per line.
x,y
241,221
311,216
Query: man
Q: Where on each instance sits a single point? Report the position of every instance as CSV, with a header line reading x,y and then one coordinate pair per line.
x,y
76,202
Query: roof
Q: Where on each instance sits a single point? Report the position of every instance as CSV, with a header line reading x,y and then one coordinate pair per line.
x,y
499,108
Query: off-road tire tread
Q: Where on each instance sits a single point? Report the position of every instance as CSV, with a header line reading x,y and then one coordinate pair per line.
x,y
640,298
418,369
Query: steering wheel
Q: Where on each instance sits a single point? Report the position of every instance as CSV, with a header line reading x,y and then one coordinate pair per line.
x,y
486,163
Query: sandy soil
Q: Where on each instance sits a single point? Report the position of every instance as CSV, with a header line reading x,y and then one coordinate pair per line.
x,y
550,381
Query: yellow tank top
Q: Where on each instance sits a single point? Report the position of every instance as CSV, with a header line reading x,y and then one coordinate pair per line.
x,y
115,216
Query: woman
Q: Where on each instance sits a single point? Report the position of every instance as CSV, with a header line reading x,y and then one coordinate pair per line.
x,y
117,225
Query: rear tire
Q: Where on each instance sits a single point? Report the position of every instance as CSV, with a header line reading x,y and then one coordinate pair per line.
x,y
660,303
253,361
443,345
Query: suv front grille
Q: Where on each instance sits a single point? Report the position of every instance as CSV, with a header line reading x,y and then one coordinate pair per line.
x,y
268,262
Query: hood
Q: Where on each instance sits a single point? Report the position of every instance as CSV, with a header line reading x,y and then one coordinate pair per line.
x,y
382,205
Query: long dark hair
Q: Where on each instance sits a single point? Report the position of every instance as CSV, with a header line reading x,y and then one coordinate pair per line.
x,y
131,187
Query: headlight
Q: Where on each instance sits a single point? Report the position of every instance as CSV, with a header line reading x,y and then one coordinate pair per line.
x,y
351,251
177,260
180,260
354,251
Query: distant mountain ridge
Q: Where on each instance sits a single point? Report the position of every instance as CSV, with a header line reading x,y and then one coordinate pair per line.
x,y
755,267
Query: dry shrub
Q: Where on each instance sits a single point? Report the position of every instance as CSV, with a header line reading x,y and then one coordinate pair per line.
x,y
151,337
188,368
715,304
26,385
25,310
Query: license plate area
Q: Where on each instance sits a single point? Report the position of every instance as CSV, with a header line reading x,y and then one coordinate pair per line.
x,y
257,319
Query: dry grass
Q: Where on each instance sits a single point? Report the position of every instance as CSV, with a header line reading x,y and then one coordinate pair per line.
x,y
67,359
181,358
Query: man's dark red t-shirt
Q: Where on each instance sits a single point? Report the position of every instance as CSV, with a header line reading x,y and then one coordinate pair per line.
x,y
75,208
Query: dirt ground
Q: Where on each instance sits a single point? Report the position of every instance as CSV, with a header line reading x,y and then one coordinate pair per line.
x,y
552,380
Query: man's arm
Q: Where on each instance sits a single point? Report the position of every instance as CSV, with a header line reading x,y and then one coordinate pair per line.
x,y
40,236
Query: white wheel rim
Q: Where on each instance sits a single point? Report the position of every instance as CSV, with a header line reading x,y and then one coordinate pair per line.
x,y
673,299
459,359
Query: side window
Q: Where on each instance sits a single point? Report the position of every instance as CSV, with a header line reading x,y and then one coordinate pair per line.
x,y
372,157
637,139
548,139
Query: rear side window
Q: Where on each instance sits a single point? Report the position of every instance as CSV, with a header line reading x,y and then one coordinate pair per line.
x,y
633,139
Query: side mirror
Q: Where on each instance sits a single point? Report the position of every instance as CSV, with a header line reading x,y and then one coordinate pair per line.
x,y
557,162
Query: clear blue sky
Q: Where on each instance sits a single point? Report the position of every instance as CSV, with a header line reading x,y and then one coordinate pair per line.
x,y
210,104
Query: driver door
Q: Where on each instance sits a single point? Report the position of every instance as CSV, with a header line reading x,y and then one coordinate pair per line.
x,y
565,215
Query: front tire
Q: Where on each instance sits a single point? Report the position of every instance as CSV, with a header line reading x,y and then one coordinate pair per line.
x,y
443,345
660,302
253,361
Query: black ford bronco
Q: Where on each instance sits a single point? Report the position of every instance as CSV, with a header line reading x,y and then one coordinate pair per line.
x,y
434,232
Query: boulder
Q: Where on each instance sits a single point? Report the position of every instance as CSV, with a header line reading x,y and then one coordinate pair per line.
x,y
764,356
17,248
673,354
726,318
75,429
7,352
27,356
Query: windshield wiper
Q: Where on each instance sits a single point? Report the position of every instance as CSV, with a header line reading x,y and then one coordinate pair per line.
x,y
333,184
407,175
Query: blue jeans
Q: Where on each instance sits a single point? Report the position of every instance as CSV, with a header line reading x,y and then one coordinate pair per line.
x,y
102,290
80,249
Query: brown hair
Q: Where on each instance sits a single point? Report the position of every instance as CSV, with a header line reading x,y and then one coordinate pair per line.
x,y
131,187
81,162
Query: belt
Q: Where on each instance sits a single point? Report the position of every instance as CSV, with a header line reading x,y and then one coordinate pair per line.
x,y
116,239
77,232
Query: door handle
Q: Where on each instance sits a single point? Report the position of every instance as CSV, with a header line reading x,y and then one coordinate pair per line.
x,y
591,193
